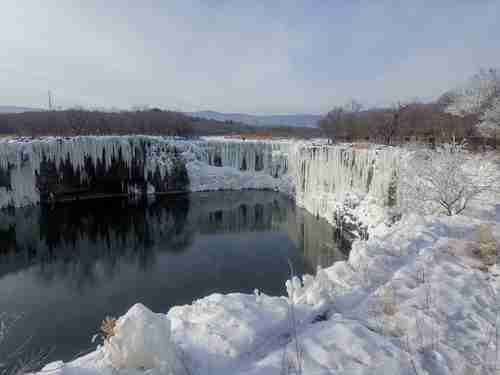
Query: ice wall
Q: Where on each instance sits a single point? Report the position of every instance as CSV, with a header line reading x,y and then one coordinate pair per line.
x,y
341,171
47,168
319,176
329,180
269,157
17,182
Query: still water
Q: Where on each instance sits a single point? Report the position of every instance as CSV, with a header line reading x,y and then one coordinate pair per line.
x,y
66,267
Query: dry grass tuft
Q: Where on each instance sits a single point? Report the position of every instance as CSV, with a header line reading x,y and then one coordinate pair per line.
x,y
488,247
108,326
389,306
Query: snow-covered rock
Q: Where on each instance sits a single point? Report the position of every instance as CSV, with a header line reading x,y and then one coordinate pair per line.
x,y
141,340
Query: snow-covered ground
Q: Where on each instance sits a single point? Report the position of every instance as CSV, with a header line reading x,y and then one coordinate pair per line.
x,y
413,299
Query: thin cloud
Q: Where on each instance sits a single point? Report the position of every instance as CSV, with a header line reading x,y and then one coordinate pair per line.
x,y
291,56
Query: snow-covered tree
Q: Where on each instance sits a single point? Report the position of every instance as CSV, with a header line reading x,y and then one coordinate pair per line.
x,y
492,114
445,179
475,95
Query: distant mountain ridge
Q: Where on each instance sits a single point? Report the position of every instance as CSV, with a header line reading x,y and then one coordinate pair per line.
x,y
298,120
15,109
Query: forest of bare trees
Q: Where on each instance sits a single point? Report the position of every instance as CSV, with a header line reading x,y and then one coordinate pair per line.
x,y
84,122
80,121
399,123
396,124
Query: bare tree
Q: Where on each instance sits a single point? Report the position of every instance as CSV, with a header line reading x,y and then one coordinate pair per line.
x,y
391,127
342,121
332,121
78,120
441,180
483,88
492,115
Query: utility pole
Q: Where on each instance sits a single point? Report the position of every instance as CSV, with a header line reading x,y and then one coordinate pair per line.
x,y
50,100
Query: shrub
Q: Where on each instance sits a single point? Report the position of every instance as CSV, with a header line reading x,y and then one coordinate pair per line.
x,y
389,306
108,326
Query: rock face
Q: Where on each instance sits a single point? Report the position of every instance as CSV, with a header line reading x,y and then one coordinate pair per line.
x,y
317,175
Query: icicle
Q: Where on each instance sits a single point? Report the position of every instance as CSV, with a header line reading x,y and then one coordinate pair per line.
x,y
321,175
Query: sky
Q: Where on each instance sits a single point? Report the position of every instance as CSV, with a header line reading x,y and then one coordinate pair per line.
x,y
258,56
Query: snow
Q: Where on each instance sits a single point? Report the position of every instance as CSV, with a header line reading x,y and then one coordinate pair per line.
x,y
141,340
413,298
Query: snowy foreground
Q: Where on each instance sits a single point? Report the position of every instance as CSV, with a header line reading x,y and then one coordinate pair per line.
x,y
413,299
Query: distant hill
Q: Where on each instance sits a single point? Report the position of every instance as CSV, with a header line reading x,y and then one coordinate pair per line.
x,y
299,120
14,109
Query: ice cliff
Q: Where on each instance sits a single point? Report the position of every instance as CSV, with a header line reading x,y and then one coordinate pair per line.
x,y
320,177
51,168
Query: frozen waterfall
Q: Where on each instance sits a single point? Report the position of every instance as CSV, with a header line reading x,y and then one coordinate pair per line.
x,y
45,168
252,156
320,177
328,176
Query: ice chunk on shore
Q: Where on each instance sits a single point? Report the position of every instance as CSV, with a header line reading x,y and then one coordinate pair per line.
x,y
141,340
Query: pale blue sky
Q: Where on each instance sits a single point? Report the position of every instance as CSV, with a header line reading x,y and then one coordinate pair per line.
x,y
241,56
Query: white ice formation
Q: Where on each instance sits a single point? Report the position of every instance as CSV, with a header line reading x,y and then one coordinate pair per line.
x,y
317,175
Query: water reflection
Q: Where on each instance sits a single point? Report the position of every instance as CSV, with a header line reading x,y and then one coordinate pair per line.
x,y
67,266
